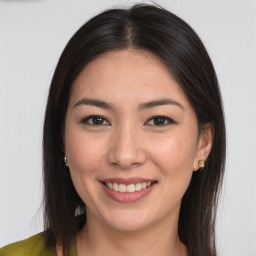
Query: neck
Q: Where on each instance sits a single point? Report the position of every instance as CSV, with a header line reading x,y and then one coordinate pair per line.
x,y
97,238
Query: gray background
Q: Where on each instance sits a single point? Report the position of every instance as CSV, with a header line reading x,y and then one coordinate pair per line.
x,y
32,36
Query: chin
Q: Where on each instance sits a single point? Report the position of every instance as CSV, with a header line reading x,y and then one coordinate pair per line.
x,y
128,221
126,226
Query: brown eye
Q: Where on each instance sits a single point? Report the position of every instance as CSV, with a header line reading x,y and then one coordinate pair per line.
x,y
95,120
160,121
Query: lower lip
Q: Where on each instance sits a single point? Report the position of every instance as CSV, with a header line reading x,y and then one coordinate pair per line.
x,y
127,197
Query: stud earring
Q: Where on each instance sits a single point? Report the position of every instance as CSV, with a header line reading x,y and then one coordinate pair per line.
x,y
201,164
65,160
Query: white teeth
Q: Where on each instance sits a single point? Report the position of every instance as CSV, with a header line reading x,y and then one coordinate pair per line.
x,y
130,188
115,187
122,188
138,187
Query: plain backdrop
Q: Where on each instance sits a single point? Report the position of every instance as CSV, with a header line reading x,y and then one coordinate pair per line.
x,y
33,34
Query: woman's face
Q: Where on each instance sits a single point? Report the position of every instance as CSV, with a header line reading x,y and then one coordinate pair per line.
x,y
131,140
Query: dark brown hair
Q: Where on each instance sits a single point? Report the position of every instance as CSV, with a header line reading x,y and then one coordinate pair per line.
x,y
154,29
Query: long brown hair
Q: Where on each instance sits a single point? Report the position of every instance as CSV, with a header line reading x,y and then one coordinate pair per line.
x,y
156,30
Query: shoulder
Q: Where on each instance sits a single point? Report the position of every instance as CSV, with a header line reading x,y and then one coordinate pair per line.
x,y
34,245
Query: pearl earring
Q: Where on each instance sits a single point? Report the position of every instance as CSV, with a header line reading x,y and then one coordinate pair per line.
x,y
65,160
201,164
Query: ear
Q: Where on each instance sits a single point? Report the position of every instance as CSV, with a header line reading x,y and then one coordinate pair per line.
x,y
204,144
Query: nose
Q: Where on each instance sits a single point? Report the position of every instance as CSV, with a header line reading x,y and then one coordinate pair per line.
x,y
126,148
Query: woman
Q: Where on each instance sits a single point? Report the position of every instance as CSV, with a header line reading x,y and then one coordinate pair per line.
x,y
134,141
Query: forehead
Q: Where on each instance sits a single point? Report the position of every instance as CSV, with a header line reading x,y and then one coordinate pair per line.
x,y
131,74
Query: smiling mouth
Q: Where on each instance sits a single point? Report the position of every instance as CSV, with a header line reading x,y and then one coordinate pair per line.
x,y
129,188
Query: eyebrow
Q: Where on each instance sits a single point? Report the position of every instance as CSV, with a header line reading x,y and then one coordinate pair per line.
x,y
159,102
94,102
143,106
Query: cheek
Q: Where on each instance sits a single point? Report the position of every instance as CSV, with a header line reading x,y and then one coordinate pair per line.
x,y
174,157
174,160
174,154
85,156
83,152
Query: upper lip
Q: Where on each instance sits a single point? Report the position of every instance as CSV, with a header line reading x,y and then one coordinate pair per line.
x,y
127,181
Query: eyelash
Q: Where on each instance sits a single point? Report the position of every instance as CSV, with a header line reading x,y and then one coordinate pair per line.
x,y
165,118
87,118
168,119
